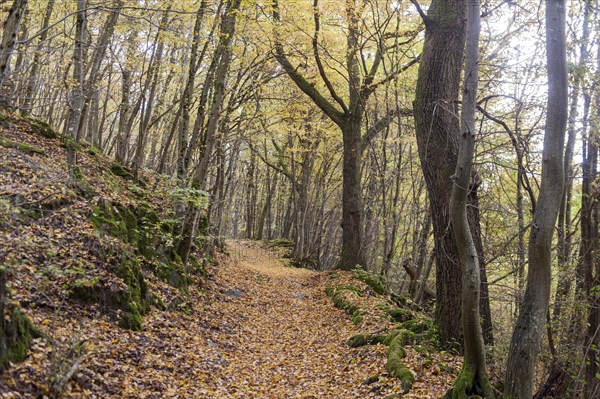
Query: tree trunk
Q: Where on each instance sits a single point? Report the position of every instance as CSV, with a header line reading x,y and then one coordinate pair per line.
x,y
125,109
589,267
35,64
530,324
564,240
436,124
473,379
7,46
186,97
475,227
92,71
76,99
224,52
352,244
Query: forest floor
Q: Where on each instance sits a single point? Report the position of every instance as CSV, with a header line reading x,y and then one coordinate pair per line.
x,y
260,329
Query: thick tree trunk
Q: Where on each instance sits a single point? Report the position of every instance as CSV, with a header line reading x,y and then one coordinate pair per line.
x,y
530,325
352,244
435,110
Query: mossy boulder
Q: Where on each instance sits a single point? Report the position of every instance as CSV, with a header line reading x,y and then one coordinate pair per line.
x,y
119,170
16,333
42,128
175,273
148,228
128,301
139,226
27,148
371,280
117,220
400,315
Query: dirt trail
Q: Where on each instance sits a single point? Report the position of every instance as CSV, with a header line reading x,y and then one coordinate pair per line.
x,y
287,339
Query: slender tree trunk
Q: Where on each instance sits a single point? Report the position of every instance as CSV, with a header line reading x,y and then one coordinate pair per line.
x,y
473,379
589,267
7,46
475,227
530,324
186,97
124,111
76,98
224,51
564,215
35,64
92,71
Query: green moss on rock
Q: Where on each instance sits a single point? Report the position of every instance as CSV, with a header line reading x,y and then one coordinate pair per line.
x,y
28,148
400,315
417,326
366,339
16,338
197,267
42,128
117,220
129,303
351,288
396,367
119,170
371,280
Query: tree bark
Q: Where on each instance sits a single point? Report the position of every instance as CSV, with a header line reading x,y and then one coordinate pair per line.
x,y
349,119
436,124
224,52
35,64
7,46
530,324
76,99
473,379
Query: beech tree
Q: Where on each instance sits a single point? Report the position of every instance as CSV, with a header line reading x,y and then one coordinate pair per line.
x,y
529,326
436,129
347,113
473,379
7,46
76,99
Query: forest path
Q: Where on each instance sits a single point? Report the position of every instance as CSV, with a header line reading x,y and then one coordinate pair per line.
x,y
287,339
